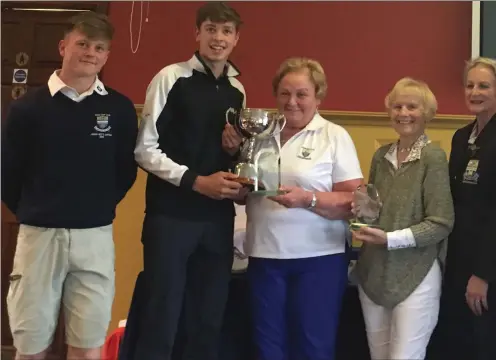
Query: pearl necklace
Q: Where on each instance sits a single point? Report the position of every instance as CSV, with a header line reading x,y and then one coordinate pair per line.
x,y
408,149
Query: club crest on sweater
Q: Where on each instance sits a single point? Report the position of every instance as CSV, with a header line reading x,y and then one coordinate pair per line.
x,y
102,127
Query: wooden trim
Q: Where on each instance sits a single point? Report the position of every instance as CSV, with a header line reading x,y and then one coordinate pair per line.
x,y
366,118
362,118
97,6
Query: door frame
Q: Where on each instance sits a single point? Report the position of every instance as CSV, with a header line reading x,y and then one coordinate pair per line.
x,y
96,6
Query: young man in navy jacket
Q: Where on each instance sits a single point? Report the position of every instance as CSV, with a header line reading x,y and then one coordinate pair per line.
x,y
188,227
67,161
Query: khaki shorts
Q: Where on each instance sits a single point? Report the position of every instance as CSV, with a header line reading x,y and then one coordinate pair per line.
x,y
53,267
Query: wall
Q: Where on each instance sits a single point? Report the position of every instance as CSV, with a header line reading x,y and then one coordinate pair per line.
x,y
488,29
364,47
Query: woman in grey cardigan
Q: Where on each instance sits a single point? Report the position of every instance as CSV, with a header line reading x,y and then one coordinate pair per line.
x,y
399,268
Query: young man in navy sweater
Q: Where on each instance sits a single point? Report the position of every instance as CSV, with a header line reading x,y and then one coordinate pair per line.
x,y
67,161
188,227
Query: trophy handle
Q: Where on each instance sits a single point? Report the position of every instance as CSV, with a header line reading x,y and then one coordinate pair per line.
x,y
229,111
279,117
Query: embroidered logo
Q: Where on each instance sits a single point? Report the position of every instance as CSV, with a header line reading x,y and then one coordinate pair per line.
x,y
102,127
305,153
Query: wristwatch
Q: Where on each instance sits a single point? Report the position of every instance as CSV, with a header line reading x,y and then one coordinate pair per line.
x,y
313,203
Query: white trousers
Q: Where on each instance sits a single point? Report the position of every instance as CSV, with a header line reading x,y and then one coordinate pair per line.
x,y
403,333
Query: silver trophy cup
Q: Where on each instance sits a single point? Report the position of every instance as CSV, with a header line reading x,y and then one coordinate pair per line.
x,y
253,124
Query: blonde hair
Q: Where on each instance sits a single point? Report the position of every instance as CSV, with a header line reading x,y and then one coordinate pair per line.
x,y
418,88
297,64
480,61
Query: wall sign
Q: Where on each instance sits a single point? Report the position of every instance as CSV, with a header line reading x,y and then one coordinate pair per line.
x,y
18,91
22,59
20,76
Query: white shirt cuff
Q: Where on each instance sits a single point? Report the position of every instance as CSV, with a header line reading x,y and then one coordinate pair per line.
x,y
400,239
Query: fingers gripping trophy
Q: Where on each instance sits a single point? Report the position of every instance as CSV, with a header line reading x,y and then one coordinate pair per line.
x,y
252,169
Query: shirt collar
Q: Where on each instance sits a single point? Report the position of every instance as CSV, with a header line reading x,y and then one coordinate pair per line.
x,y
473,134
198,64
55,84
415,152
316,123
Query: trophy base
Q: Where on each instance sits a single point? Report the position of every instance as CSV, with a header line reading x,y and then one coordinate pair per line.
x,y
357,226
248,183
244,180
268,192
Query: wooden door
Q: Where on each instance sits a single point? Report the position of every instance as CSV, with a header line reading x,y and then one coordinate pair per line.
x,y
31,32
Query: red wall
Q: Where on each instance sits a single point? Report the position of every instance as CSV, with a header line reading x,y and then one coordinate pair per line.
x,y
365,47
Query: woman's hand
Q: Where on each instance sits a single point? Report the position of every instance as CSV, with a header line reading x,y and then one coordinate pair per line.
x,y
355,209
295,197
371,235
476,295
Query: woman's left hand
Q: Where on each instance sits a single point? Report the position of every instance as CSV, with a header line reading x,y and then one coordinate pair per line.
x,y
371,235
476,295
295,197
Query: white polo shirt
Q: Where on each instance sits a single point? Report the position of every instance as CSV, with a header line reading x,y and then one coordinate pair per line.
x,y
317,157
55,84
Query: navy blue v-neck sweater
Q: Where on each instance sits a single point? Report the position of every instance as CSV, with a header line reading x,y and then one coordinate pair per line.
x,y
67,164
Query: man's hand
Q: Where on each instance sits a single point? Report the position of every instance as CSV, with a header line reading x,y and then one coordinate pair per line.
x,y
231,140
218,186
240,199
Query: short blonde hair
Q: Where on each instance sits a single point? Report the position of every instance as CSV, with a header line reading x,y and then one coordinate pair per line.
x,y
418,88
480,61
298,64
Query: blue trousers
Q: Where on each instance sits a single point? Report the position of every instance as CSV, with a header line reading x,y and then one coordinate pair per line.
x,y
296,305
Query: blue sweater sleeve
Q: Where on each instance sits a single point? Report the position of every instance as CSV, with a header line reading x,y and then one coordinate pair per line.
x,y
126,165
16,145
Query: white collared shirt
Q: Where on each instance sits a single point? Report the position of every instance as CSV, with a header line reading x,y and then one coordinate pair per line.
x,y
314,159
55,84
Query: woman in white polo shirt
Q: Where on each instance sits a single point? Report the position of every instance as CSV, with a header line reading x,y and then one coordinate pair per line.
x,y
296,242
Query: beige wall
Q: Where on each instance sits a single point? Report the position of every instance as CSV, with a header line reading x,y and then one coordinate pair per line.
x,y
368,130
127,238
372,130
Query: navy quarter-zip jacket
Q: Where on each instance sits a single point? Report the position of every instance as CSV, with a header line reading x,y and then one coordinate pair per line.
x,y
180,137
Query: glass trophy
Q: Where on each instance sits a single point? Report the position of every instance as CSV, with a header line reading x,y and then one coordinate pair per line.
x,y
259,165
368,207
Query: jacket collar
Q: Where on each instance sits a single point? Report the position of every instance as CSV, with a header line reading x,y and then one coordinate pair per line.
x,y
197,63
474,132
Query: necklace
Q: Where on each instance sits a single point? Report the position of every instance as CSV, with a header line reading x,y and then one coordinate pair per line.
x,y
402,150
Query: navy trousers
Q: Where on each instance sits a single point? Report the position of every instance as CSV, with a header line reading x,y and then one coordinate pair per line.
x,y
296,305
185,262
